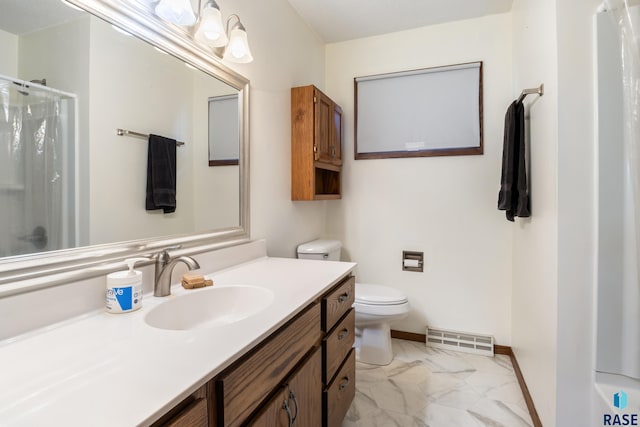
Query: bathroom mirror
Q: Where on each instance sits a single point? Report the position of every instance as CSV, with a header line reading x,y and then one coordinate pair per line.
x,y
150,78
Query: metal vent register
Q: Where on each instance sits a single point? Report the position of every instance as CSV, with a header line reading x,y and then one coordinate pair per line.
x,y
460,341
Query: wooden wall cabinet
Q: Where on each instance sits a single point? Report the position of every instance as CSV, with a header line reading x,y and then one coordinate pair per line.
x,y
316,145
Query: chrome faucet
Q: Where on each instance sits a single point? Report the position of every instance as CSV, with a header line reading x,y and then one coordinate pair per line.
x,y
164,268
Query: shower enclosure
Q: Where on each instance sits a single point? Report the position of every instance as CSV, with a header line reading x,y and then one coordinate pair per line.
x,y
37,168
618,324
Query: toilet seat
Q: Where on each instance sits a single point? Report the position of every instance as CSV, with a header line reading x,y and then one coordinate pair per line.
x,y
386,310
378,295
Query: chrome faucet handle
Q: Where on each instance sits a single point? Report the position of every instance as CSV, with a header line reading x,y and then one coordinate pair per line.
x,y
163,256
164,267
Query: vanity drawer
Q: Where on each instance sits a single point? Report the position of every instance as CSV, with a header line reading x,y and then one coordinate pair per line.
x,y
191,412
340,393
337,345
195,415
241,389
337,303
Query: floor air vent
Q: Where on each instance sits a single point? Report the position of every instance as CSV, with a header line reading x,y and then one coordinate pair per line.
x,y
460,341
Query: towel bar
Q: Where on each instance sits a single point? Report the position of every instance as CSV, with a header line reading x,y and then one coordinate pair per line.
x,y
124,132
533,91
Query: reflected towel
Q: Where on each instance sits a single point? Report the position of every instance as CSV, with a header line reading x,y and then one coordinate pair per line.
x,y
514,192
161,174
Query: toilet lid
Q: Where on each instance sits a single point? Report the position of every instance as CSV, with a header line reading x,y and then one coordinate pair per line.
x,y
378,295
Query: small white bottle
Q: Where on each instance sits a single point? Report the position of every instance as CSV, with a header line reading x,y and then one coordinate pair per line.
x,y
124,288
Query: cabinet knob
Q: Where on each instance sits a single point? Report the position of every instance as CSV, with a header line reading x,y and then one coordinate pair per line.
x,y
315,152
342,298
343,333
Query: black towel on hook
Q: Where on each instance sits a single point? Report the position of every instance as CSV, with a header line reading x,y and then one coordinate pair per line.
x,y
514,192
161,174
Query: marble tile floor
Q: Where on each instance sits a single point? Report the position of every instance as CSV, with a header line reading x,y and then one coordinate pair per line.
x,y
430,387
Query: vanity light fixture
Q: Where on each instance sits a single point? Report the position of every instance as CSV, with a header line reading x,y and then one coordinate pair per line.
x,y
209,27
238,48
177,12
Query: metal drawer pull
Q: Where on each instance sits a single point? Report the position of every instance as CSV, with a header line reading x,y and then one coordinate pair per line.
x,y
342,298
343,333
344,383
295,401
285,406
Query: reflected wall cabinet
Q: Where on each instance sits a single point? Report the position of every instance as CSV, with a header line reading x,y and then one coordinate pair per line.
x,y
316,145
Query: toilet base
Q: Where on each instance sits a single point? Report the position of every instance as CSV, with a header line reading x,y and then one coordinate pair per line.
x,y
373,344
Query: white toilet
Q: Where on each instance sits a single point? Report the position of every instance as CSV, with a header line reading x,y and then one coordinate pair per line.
x,y
376,307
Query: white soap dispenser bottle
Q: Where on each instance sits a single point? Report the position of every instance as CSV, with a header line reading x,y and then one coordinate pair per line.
x,y
124,288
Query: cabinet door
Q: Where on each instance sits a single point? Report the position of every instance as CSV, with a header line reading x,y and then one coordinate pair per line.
x,y
336,136
299,403
323,126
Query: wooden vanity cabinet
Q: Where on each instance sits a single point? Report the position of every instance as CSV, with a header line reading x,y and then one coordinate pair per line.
x,y
306,369
316,145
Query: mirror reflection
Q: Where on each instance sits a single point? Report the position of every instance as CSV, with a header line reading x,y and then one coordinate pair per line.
x,y
68,81
224,129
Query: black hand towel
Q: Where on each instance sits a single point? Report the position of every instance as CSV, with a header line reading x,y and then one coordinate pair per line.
x,y
514,192
161,174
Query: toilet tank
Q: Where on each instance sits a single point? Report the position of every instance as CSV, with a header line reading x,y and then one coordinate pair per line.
x,y
320,249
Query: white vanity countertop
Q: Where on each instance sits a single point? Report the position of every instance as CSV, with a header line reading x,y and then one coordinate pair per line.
x,y
106,369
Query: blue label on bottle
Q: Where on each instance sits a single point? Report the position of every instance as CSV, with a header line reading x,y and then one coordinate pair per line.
x,y
123,295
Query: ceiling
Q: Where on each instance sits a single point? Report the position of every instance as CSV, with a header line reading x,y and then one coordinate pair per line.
x,y
332,20
21,17
340,20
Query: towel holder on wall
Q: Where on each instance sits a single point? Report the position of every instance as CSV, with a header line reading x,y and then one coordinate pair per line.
x,y
124,132
534,91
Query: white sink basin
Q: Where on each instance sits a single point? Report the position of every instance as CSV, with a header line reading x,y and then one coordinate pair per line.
x,y
209,307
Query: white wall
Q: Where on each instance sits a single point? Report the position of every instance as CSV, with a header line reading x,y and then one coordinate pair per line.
x,y
9,57
286,54
554,252
535,286
444,206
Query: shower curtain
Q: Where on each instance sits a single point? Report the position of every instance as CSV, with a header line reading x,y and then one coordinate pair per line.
x,y
628,26
31,183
